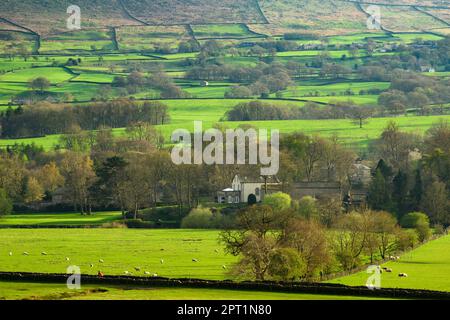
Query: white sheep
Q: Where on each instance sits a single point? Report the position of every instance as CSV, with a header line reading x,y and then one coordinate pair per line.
x,y
101,260
161,261
67,259
44,253
26,253
10,253
402,275
194,260
224,267
146,272
155,275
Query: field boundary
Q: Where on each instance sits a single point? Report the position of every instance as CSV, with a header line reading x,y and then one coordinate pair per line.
x,y
309,288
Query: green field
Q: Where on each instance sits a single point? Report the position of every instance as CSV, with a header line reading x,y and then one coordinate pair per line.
x,y
121,250
427,267
38,291
70,219
347,131
53,74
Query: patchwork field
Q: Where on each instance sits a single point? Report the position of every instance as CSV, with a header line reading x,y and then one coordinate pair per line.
x,y
152,38
99,40
172,12
324,17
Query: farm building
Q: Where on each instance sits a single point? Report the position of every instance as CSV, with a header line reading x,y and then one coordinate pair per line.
x,y
248,189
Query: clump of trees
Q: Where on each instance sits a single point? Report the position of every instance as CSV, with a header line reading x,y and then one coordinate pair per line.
x,y
413,173
44,118
275,240
158,80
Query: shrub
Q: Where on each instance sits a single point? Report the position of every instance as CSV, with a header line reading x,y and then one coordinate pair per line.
x,y
423,231
439,229
407,239
278,201
198,218
139,224
114,225
412,219
286,264
307,207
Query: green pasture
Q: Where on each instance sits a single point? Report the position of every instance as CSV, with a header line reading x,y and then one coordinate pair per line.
x,y
48,291
348,132
53,74
59,219
221,31
120,249
338,88
427,267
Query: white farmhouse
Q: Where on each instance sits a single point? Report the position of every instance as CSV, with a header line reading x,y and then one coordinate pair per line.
x,y
248,190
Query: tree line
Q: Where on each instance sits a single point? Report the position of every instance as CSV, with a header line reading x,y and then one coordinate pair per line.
x,y
43,118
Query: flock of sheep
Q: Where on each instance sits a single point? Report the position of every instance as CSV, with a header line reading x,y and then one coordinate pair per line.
x,y
126,272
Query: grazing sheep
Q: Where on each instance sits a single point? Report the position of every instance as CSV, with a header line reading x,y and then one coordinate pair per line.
x,y
154,275
161,261
126,272
388,270
101,260
67,259
91,265
194,260
137,268
146,272
44,253
10,253
26,253
402,275
224,267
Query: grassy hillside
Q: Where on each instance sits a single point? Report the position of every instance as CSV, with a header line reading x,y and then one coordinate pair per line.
x,y
49,16
427,267
170,12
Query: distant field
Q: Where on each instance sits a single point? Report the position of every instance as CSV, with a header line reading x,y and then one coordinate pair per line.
x,y
348,133
427,267
326,17
407,19
10,41
217,31
53,74
59,219
151,38
194,11
37,291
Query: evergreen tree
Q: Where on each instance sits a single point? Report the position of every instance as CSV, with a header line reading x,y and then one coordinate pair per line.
x,y
400,193
379,192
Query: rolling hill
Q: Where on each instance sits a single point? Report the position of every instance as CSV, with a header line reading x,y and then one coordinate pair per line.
x,y
271,17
